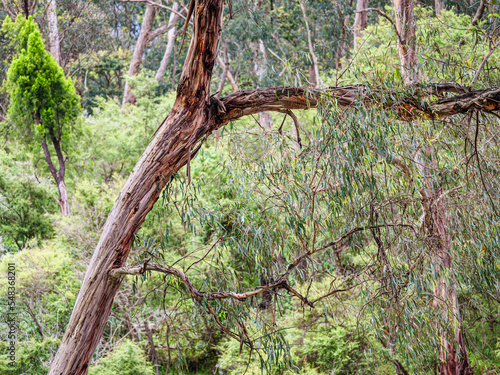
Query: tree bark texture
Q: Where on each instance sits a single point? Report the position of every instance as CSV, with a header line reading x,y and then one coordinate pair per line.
x,y
405,28
453,359
174,17
174,143
54,39
195,114
360,21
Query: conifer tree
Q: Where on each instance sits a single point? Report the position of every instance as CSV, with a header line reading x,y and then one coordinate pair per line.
x,y
43,103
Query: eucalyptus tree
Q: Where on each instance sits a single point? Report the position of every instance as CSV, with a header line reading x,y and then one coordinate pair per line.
x,y
195,114
146,35
43,104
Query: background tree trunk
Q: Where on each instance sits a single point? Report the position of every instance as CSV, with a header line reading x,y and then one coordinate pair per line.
x,y
170,43
360,21
140,47
453,359
435,221
405,25
438,6
174,143
57,175
54,39
310,45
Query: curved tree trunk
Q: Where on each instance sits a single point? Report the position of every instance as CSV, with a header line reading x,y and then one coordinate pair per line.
x,y
174,143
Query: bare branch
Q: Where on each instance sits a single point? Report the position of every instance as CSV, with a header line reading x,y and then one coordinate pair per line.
x,y
479,12
481,66
156,5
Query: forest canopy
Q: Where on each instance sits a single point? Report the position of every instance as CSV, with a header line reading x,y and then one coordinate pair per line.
x,y
246,187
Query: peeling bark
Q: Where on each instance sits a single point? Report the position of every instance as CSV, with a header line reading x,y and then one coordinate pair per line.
x,y
175,141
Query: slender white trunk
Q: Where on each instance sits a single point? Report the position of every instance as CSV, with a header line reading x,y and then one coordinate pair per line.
x,y
170,43
54,40
140,47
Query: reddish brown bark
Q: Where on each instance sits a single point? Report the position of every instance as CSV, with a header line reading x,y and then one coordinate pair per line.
x,y
194,116
174,143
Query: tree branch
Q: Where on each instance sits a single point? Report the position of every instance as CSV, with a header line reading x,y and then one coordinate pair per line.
x,y
281,283
156,5
408,104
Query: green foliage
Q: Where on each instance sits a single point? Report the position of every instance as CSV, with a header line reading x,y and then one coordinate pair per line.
x,y
254,200
449,49
126,359
112,138
46,288
25,204
32,357
42,100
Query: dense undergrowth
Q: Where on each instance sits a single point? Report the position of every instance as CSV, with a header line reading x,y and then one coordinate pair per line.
x,y
254,199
